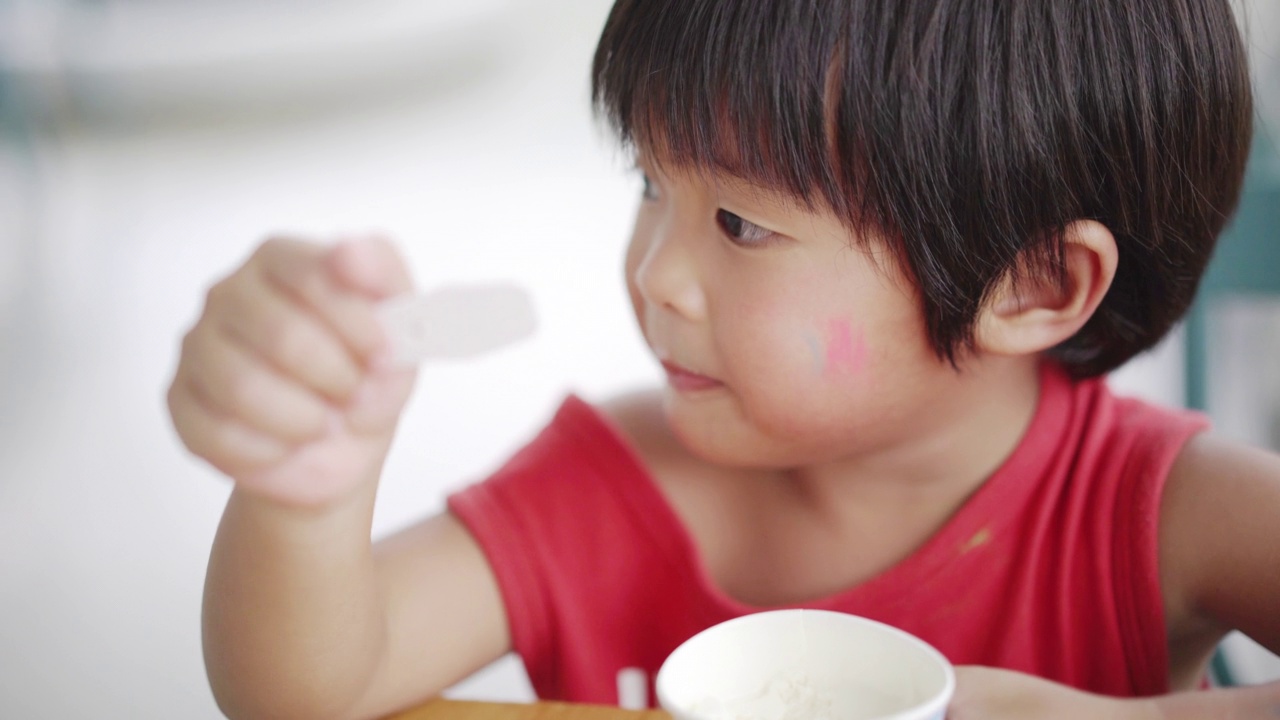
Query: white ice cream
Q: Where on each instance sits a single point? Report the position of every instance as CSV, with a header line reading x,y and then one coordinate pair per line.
x,y
790,696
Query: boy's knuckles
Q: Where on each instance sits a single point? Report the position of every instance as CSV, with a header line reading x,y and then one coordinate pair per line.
x,y
337,389
316,359
280,252
357,322
273,248
237,449
197,340
180,398
274,397
198,366
188,347
182,406
314,287
291,414
217,294
244,390
293,345
224,443
350,316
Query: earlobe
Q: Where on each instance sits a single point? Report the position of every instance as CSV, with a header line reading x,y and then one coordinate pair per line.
x,y
1032,311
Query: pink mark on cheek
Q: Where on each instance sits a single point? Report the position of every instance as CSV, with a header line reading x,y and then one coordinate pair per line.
x,y
846,350
815,351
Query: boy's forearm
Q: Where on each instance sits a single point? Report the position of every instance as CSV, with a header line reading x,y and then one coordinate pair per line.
x,y
1255,702
293,622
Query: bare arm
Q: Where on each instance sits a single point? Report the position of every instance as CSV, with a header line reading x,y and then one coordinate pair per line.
x,y
303,618
1220,542
280,386
443,602
293,622
991,694
1260,702
1220,566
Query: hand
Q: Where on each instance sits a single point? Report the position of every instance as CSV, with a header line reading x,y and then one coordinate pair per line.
x,y
990,694
282,382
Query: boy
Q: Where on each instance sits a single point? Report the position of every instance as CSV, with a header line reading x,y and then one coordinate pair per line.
x,y
885,250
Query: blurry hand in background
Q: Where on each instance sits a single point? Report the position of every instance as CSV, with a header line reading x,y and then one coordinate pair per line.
x,y
284,383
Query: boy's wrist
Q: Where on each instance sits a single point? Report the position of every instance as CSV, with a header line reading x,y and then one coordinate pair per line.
x,y
309,488
340,514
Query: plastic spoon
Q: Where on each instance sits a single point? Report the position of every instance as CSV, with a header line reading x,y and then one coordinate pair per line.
x,y
457,322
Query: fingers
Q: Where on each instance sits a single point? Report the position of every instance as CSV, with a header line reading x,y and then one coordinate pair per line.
x,y
285,335
304,273
280,383
227,444
228,380
370,266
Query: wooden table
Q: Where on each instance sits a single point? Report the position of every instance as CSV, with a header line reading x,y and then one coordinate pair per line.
x,y
468,710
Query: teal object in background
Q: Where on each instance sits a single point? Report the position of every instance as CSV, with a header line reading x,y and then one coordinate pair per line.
x,y
1246,262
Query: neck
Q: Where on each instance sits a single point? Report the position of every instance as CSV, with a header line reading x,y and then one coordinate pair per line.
x,y
951,450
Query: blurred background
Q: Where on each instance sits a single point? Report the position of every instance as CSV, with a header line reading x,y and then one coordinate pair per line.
x,y
146,146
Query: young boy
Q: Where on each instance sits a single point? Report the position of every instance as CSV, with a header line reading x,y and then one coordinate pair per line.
x,y
886,250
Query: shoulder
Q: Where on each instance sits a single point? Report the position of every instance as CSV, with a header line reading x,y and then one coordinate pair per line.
x,y
1219,491
1208,462
1220,539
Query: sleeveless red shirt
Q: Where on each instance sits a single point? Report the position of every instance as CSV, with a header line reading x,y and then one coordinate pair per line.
x,y
1050,568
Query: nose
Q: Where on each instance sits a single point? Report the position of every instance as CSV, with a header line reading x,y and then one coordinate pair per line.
x,y
666,273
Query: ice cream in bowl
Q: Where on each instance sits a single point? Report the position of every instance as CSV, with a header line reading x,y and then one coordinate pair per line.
x,y
805,665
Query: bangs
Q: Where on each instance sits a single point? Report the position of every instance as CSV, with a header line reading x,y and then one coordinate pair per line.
x,y
736,87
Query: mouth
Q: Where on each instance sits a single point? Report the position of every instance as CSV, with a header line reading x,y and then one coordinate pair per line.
x,y
685,380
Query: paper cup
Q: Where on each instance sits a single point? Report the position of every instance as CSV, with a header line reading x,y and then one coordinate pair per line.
x,y
805,665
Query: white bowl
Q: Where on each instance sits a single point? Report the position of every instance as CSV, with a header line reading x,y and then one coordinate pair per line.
x,y
805,665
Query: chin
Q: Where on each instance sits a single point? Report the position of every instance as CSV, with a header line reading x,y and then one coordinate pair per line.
x,y
713,430
704,428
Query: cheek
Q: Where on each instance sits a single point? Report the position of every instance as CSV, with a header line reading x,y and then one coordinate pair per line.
x,y
807,369
794,371
799,341
838,349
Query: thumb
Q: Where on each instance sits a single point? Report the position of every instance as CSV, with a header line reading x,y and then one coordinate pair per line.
x,y
371,266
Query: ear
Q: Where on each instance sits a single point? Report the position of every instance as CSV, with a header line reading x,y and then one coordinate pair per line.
x,y
1033,313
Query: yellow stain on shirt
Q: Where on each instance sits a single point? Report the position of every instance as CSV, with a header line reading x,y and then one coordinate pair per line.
x,y
980,538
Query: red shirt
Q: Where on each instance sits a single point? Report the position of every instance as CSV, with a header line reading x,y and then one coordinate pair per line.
x,y
1050,568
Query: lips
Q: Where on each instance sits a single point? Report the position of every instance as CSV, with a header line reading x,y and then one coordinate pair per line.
x,y
686,380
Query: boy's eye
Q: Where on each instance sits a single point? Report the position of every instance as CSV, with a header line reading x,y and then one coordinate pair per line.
x,y
742,232
650,191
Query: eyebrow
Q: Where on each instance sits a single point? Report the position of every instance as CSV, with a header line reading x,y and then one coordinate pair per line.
x,y
749,192
757,194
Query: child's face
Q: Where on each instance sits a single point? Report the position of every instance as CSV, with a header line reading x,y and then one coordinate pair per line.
x,y
811,349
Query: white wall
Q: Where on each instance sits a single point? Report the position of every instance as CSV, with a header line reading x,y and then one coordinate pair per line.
x,y
116,222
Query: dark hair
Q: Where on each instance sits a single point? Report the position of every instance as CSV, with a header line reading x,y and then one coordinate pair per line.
x,y
968,133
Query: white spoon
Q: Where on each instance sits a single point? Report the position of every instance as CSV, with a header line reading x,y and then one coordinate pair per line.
x,y
457,322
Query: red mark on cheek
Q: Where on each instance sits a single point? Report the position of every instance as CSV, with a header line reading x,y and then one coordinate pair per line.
x,y
846,351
